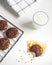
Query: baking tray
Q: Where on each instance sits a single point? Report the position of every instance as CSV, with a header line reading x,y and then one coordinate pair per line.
x,y
3,53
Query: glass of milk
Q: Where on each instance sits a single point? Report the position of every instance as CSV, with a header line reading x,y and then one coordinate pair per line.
x,y
40,19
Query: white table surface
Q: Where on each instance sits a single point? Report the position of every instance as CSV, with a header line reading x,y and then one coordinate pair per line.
x,y
24,22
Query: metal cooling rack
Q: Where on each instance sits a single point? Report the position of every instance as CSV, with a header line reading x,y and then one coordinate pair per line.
x,y
20,5
12,41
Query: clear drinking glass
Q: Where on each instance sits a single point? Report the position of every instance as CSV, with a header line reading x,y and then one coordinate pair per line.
x,y
40,19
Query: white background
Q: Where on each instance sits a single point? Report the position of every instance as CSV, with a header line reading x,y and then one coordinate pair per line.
x,y
24,22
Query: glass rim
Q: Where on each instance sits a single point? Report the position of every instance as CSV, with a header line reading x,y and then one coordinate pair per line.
x,y
38,23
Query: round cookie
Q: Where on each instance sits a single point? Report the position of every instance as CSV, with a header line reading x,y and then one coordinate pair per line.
x,y
3,25
4,43
36,49
12,32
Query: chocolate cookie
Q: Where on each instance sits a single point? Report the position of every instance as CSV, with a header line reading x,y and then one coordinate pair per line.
x,y
3,25
36,49
12,32
4,43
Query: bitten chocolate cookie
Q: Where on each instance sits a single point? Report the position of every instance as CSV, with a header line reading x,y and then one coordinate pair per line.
x,y
12,32
3,25
36,49
4,43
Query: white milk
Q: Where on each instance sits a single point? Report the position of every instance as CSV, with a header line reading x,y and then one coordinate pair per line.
x,y
40,19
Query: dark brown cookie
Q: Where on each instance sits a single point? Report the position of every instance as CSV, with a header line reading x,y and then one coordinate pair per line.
x,y
36,49
12,32
3,25
4,43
